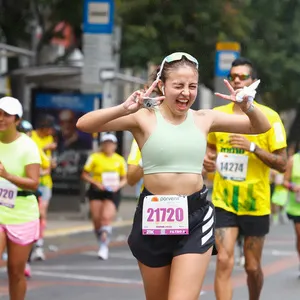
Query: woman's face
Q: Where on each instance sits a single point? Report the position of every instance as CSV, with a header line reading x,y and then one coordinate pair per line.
x,y
108,147
181,88
7,121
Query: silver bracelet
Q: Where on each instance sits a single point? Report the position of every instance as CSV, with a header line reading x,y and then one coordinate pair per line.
x,y
250,109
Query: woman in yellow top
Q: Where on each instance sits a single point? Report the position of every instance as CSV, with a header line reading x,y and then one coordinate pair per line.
x,y
43,137
106,172
45,170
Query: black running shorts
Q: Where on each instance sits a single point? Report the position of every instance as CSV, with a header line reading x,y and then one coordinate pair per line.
x,y
96,194
159,250
248,225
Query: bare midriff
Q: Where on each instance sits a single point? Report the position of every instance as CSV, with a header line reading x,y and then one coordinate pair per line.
x,y
173,183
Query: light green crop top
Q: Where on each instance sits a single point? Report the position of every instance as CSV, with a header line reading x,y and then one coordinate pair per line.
x,y
174,148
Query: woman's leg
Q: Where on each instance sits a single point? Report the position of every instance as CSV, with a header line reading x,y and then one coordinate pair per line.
x,y
297,231
187,275
156,282
95,209
17,258
2,243
108,213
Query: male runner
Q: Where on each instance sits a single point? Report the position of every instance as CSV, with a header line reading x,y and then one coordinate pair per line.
x,y
241,191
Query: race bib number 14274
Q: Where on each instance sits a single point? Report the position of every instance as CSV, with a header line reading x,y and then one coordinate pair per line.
x,y
232,166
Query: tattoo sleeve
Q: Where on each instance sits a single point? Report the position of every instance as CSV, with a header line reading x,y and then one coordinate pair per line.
x,y
276,160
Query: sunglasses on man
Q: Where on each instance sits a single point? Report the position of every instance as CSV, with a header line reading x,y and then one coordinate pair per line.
x,y
242,77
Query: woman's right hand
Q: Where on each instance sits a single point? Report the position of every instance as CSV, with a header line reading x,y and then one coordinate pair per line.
x,y
99,186
135,101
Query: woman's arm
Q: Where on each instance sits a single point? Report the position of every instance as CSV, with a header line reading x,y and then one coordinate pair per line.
x,y
134,174
123,181
117,118
88,178
30,182
253,122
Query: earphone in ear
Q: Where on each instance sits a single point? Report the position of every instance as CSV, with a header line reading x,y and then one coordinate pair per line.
x,y
163,90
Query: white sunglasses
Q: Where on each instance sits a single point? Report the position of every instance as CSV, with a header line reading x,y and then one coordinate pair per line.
x,y
175,57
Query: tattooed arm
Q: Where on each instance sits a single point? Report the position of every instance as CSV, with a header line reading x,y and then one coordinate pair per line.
x,y
276,160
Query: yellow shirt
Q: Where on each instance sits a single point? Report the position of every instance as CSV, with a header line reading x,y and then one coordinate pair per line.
x,y
246,191
45,180
135,156
98,163
42,142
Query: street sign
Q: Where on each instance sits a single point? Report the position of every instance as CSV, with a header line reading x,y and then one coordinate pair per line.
x,y
226,53
98,16
98,26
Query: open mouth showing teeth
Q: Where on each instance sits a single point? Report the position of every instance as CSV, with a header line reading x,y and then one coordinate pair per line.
x,y
182,104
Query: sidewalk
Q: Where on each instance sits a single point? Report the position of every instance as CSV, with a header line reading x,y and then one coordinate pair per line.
x,y
62,224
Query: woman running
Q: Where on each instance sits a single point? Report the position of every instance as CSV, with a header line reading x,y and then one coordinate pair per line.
x,y
45,171
19,178
106,172
173,230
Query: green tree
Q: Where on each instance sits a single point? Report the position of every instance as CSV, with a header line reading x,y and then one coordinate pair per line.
x,y
268,32
18,19
274,44
153,28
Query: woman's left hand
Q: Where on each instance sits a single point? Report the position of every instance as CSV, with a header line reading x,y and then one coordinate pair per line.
x,y
244,104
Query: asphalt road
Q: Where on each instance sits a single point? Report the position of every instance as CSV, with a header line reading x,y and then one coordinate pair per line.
x,y
74,271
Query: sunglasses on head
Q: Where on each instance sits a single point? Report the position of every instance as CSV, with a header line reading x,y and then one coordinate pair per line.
x,y
175,57
242,77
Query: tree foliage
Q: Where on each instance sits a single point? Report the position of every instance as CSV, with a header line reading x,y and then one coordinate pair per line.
x,y
267,30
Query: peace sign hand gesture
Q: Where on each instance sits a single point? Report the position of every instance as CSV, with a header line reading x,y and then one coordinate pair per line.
x,y
135,101
244,104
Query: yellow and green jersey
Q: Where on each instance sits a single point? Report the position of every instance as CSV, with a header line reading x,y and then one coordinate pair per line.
x,y
241,182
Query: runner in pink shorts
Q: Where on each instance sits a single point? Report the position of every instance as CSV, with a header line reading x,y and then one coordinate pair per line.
x,y
19,178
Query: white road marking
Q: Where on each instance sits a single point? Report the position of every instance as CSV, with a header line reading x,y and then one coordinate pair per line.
x,y
86,277
86,268
276,252
124,254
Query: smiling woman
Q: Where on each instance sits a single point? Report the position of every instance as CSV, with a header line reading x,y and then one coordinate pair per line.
x,y
19,178
173,237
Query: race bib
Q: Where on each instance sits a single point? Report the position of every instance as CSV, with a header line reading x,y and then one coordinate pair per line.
x,y
232,166
111,180
165,215
8,194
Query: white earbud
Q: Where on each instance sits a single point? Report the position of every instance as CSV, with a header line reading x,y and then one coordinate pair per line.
x,y
163,90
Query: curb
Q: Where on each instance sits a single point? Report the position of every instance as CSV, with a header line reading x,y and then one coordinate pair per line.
x,y
51,233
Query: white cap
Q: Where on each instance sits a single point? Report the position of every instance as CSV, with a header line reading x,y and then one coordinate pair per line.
x,y
12,106
108,137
